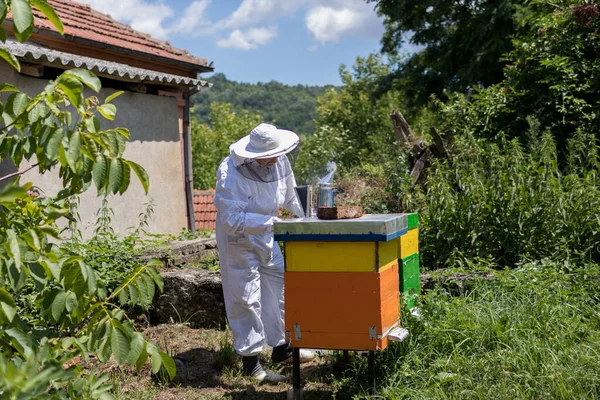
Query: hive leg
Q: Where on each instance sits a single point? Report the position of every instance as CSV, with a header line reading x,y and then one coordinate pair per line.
x,y
371,372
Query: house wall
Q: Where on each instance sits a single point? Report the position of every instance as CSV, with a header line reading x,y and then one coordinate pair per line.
x,y
155,144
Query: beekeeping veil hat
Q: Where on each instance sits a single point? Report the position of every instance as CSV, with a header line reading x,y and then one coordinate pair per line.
x,y
266,141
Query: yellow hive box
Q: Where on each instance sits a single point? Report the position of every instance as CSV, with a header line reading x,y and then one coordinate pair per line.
x,y
409,243
340,256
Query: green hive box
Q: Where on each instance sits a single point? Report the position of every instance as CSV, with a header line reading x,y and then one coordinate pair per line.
x,y
410,281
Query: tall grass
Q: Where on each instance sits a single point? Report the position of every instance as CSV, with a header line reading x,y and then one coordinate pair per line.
x,y
531,333
513,203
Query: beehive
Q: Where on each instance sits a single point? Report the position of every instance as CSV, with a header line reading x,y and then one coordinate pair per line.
x,y
343,279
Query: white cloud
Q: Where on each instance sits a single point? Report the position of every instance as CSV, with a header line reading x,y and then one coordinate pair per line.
x,y
342,18
254,12
327,21
250,39
144,16
193,17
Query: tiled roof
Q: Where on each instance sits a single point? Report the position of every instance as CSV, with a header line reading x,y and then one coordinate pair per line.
x,y
82,22
205,212
34,51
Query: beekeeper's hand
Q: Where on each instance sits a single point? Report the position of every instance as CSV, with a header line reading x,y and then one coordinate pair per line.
x,y
259,223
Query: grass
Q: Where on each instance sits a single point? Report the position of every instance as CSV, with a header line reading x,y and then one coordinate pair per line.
x,y
532,333
529,333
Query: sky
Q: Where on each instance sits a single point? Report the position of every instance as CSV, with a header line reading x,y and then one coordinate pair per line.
x,y
290,41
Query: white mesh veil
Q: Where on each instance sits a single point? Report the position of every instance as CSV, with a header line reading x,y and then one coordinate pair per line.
x,y
251,169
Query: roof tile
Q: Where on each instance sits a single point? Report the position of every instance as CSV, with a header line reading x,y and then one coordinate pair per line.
x,y
82,21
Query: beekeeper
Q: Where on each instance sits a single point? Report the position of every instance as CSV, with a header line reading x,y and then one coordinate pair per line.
x,y
252,184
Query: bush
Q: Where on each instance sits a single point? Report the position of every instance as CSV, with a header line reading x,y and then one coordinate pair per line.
x,y
512,204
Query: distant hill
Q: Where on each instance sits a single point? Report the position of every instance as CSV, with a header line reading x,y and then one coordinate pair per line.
x,y
288,107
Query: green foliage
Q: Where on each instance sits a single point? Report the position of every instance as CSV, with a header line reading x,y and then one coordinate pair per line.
x,y
288,107
511,203
461,43
53,305
530,333
552,74
210,142
352,127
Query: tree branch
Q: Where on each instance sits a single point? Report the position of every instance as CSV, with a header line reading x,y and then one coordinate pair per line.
x,y
18,172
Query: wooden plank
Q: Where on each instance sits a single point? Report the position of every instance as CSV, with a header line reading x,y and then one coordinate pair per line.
x,y
413,221
335,341
390,298
330,256
335,302
410,282
409,243
387,254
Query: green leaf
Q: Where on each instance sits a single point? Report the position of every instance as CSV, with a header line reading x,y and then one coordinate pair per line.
x,y
100,172
155,357
3,10
7,304
169,364
139,363
121,143
113,144
39,275
10,58
2,31
136,347
150,285
133,293
91,279
50,230
123,297
113,96
115,179
86,77
74,151
141,174
72,88
126,178
49,12
17,103
14,249
143,290
123,132
22,19
21,341
93,124
10,193
5,87
108,111
53,143
71,302
58,305
119,342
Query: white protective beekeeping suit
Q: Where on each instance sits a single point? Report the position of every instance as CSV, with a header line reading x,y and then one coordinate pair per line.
x,y
248,197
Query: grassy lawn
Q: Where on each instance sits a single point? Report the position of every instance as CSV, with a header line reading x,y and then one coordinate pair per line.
x,y
530,333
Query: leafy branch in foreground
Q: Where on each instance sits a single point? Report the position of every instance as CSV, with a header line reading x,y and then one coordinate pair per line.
x,y
73,313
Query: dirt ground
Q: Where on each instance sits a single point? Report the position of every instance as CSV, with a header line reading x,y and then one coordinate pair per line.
x,y
199,354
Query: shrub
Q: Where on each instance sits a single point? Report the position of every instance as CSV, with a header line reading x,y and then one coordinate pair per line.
x,y
511,203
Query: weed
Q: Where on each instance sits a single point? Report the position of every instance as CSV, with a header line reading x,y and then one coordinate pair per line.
x,y
225,357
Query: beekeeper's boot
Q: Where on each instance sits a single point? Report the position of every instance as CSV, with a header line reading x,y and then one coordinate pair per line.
x,y
283,354
252,367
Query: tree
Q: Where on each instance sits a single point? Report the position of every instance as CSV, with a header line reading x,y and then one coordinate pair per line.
x,y
73,313
289,107
210,142
463,42
353,127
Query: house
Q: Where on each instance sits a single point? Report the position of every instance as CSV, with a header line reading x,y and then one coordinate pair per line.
x,y
158,81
